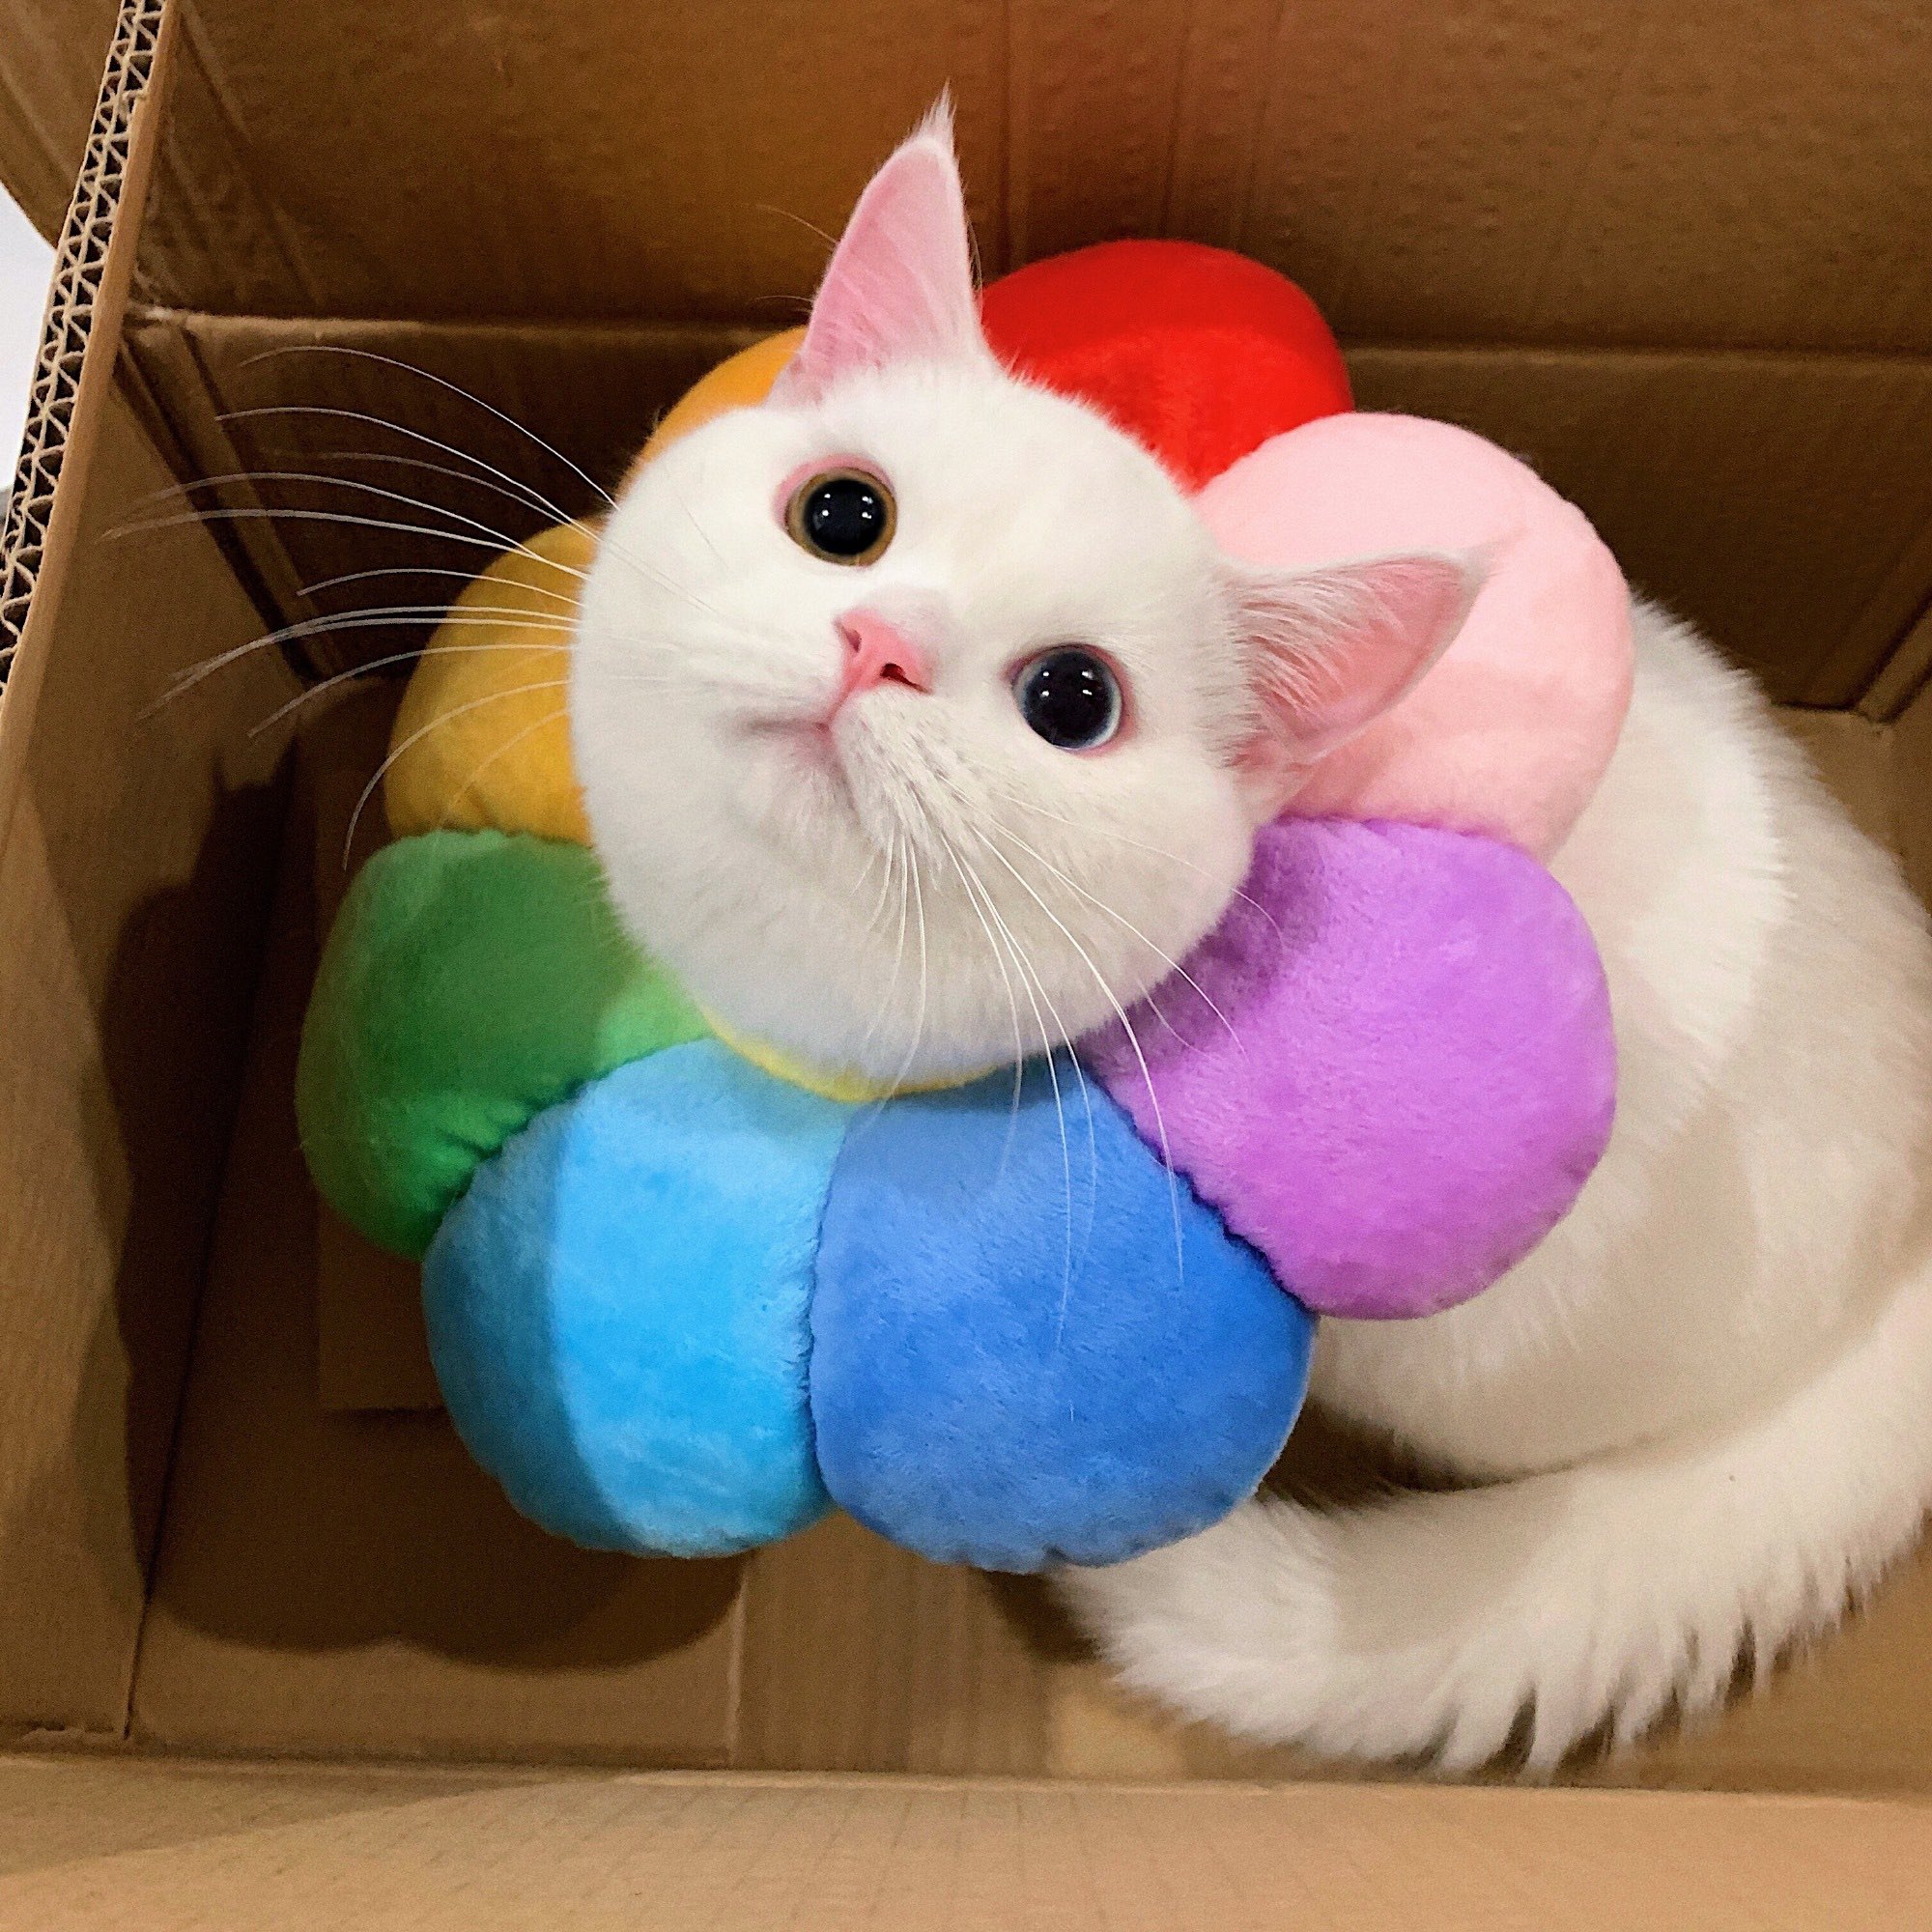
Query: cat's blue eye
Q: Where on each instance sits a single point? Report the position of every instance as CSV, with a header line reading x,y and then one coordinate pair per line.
x,y
1071,698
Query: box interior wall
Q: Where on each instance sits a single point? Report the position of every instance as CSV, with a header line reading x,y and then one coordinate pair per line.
x,y
231,1519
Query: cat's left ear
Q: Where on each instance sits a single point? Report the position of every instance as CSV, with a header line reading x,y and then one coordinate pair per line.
x,y
900,286
1331,650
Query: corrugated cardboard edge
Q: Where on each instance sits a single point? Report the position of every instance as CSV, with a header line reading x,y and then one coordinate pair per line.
x,y
81,286
1907,673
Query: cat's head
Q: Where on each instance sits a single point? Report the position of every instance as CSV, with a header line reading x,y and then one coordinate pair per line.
x,y
920,721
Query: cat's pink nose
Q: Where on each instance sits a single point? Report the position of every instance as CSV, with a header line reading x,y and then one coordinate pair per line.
x,y
881,654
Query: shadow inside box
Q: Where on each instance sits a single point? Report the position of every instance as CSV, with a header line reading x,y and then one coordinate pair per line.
x,y
172,1030
447,1564
287,1526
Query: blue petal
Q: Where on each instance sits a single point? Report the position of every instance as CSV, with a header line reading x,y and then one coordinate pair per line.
x,y
1026,1350
617,1307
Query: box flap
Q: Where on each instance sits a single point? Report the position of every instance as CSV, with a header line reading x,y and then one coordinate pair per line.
x,y
50,61
1730,175
162,1846
134,844
132,855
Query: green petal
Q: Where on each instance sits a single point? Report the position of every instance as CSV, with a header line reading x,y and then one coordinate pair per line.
x,y
472,979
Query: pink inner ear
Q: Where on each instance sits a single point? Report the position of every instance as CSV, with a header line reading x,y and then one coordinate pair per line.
x,y
900,286
1335,649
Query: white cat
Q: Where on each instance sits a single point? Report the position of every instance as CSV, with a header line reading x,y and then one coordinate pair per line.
x,y
920,724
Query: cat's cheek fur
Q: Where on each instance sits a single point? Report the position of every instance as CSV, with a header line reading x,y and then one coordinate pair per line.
x,y
939,895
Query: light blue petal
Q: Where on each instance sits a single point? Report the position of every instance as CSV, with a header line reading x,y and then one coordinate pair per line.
x,y
617,1306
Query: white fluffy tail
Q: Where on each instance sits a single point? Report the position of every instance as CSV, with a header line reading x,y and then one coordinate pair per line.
x,y
1595,1594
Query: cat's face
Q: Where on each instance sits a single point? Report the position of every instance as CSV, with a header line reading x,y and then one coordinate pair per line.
x,y
920,722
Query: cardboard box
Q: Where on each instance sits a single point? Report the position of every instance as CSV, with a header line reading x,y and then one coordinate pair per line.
x,y
1678,259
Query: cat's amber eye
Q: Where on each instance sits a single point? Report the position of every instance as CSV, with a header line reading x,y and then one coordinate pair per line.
x,y
846,516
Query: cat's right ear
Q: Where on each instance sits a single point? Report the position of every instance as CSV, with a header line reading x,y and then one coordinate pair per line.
x,y
1332,650
900,286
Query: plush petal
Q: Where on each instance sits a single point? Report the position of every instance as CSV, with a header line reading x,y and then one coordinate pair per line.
x,y
1510,732
1394,1067
471,980
1199,352
1028,1350
616,1308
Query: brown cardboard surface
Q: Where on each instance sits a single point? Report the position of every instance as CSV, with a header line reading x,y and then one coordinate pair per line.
x,y
359,196
1856,759
179,1846
371,1351
50,58
1679,261
132,855
1913,758
1778,500
1594,171
394,413
914,1667
131,878
355,1583
1905,674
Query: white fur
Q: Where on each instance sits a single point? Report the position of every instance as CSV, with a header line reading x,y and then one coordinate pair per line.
x,y
916,903
1706,1393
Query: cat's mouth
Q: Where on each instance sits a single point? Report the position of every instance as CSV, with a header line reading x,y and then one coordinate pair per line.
x,y
806,744
804,736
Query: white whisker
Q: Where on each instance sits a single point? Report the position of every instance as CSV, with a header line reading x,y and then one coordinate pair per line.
x,y
537,498
440,383
392,618
1174,965
366,668
1133,845
1133,1040
264,513
967,879
1036,993
416,737
500,538
508,746
328,479
316,590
